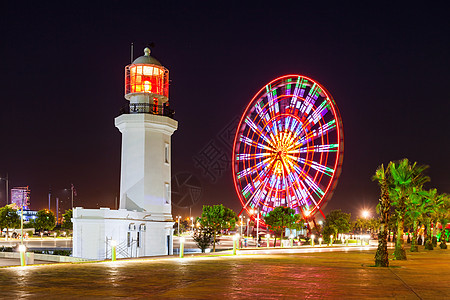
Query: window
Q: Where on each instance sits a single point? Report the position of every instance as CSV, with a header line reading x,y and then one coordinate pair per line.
x,y
166,153
167,193
138,241
129,239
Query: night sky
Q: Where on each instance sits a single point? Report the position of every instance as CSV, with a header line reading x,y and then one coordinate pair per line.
x,y
62,85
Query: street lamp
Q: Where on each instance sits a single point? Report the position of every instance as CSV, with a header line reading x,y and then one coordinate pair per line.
x,y
192,223
365,214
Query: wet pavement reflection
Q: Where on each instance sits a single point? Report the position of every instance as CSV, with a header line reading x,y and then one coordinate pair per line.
x,y
300,275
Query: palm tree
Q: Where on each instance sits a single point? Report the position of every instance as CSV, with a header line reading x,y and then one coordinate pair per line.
x,y
416,206
381,176
404,177
430,213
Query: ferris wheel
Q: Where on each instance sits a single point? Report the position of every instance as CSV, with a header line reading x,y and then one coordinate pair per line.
x,y
288,147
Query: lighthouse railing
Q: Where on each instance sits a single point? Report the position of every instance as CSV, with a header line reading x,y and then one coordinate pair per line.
x,y
147,108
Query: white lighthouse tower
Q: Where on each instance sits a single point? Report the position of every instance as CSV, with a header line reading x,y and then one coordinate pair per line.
x,y
143,224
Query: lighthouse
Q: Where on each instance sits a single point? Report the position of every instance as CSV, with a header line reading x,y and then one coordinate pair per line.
x,y
143,224
146,134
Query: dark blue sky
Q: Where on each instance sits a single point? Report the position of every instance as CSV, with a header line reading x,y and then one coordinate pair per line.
x,y
387,67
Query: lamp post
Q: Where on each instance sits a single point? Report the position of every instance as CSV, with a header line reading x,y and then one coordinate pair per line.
x,y
6,179
21,220
365,215
178,217
71,188
192,223
241,225
257,224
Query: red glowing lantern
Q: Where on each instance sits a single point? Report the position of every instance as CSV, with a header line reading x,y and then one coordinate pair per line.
x,y
146,76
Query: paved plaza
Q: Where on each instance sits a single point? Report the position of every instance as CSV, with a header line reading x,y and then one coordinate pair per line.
x,y
326,275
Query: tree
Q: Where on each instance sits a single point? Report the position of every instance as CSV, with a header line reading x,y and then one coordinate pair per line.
x,y
45,220
434,206
216,218
67,219
202,237
384,206
336,222
9,218
279,219
417,205
403,178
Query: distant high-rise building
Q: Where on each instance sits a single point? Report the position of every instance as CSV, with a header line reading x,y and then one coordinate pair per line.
x,y
20,196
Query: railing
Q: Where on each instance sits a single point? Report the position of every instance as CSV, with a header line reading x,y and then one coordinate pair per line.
x,y
147,108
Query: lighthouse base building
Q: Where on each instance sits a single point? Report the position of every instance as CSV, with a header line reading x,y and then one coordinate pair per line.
x,y
134,234
143,224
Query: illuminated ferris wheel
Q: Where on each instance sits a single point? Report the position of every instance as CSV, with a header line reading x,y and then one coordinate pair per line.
x,y
288,147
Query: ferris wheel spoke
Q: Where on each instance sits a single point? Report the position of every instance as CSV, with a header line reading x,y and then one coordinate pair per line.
x,y
316,189
308,195
318,113
316,133
318,148
256,129
299,91
246,156
253,169
316,166
271,94
248,141
311,98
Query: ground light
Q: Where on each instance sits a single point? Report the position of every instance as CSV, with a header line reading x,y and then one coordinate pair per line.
x,y
181,247
312,239
235,241
113,250
320,242
22,250
268,237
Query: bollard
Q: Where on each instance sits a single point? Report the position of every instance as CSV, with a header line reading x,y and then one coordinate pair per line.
x,y
182,247
312,240
113,250
320,242
22,250
268,241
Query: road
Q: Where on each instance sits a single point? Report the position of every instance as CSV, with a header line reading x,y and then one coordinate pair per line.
x,y
38,243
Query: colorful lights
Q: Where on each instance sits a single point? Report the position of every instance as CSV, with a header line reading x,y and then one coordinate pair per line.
x,y
288,147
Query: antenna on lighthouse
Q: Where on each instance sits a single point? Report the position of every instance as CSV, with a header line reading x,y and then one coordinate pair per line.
x,y
131,53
